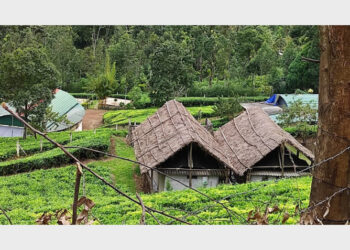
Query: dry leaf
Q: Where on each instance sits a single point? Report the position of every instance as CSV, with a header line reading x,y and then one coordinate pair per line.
x,y
327,208
62,218
285,217
296,211
81,201
89,203
249,215
82,216
44,219
306,219
273,209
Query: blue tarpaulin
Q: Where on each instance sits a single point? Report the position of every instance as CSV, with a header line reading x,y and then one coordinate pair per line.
x,y
271,99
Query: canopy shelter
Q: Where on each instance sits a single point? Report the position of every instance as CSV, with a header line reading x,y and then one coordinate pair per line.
x,y
63,103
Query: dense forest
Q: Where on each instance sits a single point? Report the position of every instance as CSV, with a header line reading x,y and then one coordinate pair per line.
x,y
162,62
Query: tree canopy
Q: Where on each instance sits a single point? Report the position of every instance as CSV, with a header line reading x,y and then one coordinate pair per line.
x,y
172,60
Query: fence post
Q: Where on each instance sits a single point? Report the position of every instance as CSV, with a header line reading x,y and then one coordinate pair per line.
x,y
116,127
17,148
71,137
41,144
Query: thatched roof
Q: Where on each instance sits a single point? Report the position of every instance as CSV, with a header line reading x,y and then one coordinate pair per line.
x,y
251,136
170,129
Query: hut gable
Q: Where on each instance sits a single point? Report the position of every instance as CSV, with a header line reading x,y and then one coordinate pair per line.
x,y
251,136
170,129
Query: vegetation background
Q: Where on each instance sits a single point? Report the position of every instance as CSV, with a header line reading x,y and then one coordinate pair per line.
x,y
157,63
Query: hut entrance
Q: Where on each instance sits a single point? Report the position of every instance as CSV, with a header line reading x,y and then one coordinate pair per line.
x,y
193,166
277,164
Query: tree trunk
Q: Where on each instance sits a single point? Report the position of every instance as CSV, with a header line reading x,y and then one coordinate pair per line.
x,y
333,133
26,119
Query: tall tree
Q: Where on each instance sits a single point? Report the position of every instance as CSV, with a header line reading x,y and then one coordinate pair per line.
x,y
333,133
172,71
28,79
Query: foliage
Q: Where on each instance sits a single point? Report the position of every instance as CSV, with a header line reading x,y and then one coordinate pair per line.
x,y
105,83
56,157
50,190
304,130
139,99
223,89
168,186
303,74
299,91
167,60
227,108
28,78
207,101
172,71
121,117
299,115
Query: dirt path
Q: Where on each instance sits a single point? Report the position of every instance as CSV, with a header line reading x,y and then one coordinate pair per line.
x,y
93,118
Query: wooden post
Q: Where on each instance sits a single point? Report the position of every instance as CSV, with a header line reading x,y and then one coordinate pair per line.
x,y
282,158
41,144
94,131
226,175
76,193
190,164
151,181
71,137
333,134
116,127
17,148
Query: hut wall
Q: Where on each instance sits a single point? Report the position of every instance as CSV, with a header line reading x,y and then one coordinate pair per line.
x,y
197,181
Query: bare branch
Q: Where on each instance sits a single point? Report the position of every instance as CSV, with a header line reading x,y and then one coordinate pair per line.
x,y
142,220
7,217
310,60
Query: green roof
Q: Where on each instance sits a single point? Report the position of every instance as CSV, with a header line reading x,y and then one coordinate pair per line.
x,y
63,104
312,99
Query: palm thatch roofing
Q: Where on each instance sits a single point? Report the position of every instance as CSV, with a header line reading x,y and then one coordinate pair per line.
x,y
249,137
170,129
238,145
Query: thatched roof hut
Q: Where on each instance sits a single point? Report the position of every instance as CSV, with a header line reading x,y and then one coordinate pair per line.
x,y
169,130
251,136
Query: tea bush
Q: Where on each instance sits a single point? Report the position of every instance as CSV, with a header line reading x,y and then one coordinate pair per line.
x,y
31,145
121,117
26,196
56,157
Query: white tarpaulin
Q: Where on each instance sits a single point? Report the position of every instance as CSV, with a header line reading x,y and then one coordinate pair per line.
x,y
9,131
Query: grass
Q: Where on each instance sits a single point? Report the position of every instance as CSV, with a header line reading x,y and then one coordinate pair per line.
x,y
121,117
123,171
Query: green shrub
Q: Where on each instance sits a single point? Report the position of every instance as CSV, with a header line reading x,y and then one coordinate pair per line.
x,y
139,98
56,157
307,130
121,117
84,95
224,89
227,108
26,196
206,101
31,145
